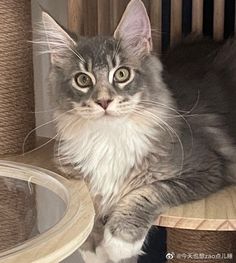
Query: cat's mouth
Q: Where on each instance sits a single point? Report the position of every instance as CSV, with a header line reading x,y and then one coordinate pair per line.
x,y
112,114
109,114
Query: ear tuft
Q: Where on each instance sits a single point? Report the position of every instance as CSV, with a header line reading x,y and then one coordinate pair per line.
x,y
134,29
58,40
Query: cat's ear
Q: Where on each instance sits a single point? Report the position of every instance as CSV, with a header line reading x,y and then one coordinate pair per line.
x,y
58,40
134,29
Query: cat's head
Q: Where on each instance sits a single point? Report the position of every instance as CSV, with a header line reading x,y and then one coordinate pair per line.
x,y
105,76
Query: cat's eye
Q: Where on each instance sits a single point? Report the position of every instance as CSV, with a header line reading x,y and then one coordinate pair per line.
x,y
122,75
83,80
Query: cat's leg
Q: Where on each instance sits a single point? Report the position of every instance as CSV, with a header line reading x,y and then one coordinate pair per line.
x,y
91,251
97,256
130,220
119,249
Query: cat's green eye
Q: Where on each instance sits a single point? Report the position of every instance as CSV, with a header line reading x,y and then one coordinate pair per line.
x,y
83,80
122,75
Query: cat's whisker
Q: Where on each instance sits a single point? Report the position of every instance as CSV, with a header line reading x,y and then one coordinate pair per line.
x,y
186,112
176,135
42,111
163,105
59,158
178,115
196,102
40,126
34,130
42,145
156,123
145,117
117,49
170,129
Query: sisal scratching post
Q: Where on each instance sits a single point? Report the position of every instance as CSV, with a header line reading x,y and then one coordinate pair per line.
x,y
16,76
194,246
17,201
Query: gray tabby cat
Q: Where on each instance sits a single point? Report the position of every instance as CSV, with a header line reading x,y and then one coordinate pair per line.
x,y
143,140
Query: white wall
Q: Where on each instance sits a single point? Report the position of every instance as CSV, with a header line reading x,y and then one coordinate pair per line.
x,y
58,9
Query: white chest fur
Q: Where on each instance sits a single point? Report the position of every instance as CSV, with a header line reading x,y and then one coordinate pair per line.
x,y
105,150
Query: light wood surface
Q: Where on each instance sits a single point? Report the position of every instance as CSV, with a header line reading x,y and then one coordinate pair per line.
x,y
104,17
76,16
219,11
71,231
217,212
156,23
91,17
175,22
197,16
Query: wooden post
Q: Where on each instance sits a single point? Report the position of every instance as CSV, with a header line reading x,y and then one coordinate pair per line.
x,y
197,16
104,26
176,22
76,16
156,23
91,17
219,8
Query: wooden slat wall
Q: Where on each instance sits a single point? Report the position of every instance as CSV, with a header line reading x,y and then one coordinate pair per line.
x,y
92,17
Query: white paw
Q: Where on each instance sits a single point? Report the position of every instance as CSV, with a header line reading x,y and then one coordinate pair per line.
x,y
118,249
99,257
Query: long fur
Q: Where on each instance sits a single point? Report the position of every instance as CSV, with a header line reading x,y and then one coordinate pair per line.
x,y
165,138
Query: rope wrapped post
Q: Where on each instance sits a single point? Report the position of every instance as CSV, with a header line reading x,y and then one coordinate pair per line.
x,y
16,76
18,214
201,246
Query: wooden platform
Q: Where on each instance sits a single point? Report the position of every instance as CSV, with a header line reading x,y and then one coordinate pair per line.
x,y
217,212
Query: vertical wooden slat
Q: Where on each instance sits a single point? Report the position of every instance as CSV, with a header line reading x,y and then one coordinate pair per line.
x,y
235,20
117,9
75,16
91,17
104,17
219,8
176,22
156,18
197,16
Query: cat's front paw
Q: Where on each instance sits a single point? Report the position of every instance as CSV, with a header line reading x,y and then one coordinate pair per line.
x,y
118,249
97,256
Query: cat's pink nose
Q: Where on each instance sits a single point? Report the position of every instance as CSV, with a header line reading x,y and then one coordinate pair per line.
x,y
103,103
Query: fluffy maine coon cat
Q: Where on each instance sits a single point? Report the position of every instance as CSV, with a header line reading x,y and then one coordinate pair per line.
x,y
143,139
